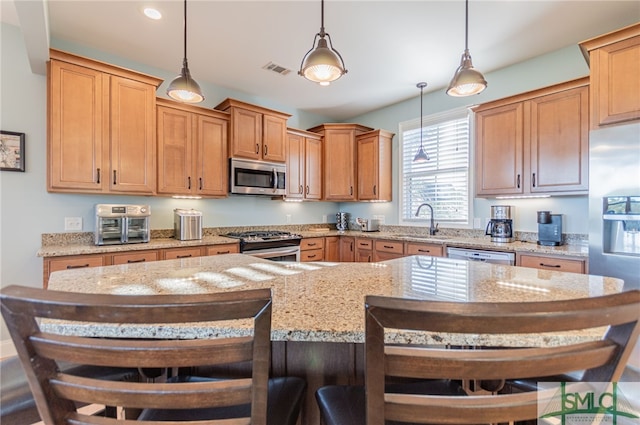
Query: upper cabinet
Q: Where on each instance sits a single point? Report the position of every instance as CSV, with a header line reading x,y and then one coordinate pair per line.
x,y
100,127
339,160
614,60
374,165
256,132
192,150
304,165
534,143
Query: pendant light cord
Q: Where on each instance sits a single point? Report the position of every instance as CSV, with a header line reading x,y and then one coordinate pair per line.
x,y
185,30
322,34
466,25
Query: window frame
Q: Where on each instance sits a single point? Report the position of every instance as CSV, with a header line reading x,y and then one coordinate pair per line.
x,y
427,121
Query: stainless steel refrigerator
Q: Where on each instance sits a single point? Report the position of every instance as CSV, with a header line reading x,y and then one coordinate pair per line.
x,y
614,203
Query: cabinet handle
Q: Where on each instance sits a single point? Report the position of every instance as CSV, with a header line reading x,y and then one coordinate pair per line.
x,y
387,246
374,189
351,246
183,256
266,149
142,260
518,182
189,182
369,259
200,182
311,256
223,252
300,190
98,175
351,190
307,189
555,266
424,250
114,177
311,244
82,266
534,179
257,148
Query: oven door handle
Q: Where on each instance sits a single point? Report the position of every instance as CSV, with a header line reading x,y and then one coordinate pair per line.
x,y
273,252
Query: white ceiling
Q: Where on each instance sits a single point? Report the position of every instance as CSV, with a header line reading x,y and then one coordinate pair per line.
x,y
388,46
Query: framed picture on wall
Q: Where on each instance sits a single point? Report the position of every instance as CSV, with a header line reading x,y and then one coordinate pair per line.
x,y
11,151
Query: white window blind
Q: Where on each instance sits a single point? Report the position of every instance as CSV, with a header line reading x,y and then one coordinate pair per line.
x,y
443,181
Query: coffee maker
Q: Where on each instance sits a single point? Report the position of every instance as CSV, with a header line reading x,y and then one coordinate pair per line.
x,y
549,228
500,227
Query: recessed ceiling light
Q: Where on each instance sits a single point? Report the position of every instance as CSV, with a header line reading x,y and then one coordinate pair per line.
x,y
152,13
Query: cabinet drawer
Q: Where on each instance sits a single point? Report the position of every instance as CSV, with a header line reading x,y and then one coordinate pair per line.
x,y
134,257
79,262
227,248
433,250
393,247
172,254
311,243
312,255
552,263
364,244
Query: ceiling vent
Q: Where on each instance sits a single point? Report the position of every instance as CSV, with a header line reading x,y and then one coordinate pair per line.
x,y
276,68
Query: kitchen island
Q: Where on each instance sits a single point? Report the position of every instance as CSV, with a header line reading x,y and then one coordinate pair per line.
x,y
318,308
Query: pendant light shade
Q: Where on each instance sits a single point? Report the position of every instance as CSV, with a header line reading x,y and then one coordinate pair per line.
x,y
421,155
322,63
467,80
183,88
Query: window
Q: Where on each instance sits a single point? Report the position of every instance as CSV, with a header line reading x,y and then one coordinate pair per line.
x,y
443,181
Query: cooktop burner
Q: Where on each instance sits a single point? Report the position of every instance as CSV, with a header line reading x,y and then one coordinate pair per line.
x,y
263,236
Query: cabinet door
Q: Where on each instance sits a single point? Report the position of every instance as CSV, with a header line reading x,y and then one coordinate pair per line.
x,y
210,161
615,83
552,263
227,248
339,165
68,263
433,250
132,126
295,166
175,253
274,136
174,151
499,153
367,167
332,248
559,142
347,249
76,136
313,169
134,257
246,134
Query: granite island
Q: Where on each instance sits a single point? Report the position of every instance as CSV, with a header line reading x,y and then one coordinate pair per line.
x,y
318,308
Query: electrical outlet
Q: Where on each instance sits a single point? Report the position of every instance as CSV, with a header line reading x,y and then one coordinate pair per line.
x,y
324,218
288,218
73,223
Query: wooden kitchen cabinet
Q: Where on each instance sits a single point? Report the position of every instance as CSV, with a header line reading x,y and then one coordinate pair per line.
x,y
100,127
54,264
534,143
347,249
132,257
256,132
192,150
332,248
614,61
221,249
364,250
387,250
312,249
339,160
419,248
374,165
552,263
177,253
304,165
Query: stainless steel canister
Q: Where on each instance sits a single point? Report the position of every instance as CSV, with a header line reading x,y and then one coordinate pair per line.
x,y
187,224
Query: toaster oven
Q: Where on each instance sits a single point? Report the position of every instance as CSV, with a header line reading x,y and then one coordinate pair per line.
x,y
122,224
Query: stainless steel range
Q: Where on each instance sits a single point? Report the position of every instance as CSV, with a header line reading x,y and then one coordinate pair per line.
x,y
271,245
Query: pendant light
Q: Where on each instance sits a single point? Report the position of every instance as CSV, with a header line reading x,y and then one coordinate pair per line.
x,y
421,155
467,80
322,63
183,88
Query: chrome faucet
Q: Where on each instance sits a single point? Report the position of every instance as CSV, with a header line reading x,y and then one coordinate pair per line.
x,y
433,228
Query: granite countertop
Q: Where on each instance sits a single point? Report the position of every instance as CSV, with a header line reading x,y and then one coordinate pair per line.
x,y
57,245
325,301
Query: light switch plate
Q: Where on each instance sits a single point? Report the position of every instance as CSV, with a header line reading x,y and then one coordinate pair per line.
x,y
73,223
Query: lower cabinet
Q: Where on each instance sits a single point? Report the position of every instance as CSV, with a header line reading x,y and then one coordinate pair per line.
x,y
227,248
332,248
364,250
312,249
134,257
70,262
177,253
431,249
387,250
552,263
347,249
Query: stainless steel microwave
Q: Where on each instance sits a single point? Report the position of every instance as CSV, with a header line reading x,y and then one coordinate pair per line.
x,y
257,177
